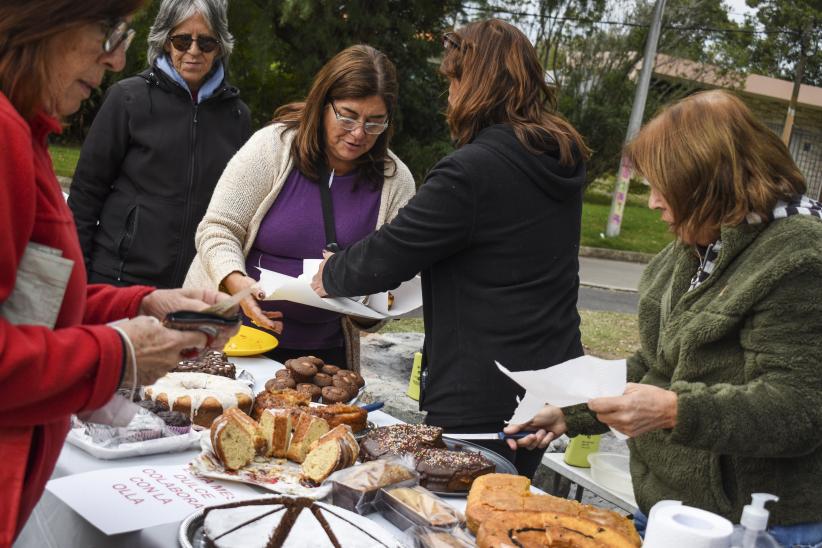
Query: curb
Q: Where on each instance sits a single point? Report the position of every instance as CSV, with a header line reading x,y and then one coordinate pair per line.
x,y
609,287
615,254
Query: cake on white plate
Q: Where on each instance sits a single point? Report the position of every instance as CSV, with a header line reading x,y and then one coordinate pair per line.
x,y
290,523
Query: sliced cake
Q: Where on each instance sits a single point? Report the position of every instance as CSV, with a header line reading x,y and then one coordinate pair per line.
x,y
307,430
276,428
236,439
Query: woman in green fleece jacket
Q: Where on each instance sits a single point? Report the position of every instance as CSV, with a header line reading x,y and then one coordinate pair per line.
x,y
724,396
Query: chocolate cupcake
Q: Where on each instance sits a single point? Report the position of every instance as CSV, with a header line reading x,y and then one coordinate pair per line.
x,y
176,422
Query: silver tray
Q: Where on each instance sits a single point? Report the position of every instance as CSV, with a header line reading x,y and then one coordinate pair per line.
x,y
504,466
190,534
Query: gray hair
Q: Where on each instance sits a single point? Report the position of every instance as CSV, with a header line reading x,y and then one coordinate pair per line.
x,y
174,12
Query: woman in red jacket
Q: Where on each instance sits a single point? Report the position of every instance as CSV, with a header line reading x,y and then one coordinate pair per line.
x,y
57,355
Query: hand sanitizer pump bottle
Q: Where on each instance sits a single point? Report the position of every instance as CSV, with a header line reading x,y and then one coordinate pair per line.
x,y
751,533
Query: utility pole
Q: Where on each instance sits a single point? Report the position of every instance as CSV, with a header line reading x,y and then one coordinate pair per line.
x,y
640,96
797,83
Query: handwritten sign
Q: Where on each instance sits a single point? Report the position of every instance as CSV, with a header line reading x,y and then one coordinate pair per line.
x,y
119,500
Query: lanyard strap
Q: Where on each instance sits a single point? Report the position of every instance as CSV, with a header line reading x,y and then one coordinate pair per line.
x,y
328,211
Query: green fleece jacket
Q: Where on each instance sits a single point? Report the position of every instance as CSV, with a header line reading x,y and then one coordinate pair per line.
x,y
743,352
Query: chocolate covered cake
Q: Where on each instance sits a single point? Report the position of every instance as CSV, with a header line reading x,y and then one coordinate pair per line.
x,y
289,522
440,469
451,471
212,362
399,439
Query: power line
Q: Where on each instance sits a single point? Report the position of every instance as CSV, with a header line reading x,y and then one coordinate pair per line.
x,y
625,23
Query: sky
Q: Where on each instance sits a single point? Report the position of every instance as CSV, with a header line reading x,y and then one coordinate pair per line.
x,y
738,9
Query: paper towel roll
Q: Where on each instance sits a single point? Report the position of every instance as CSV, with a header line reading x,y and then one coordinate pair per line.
x,y
677,526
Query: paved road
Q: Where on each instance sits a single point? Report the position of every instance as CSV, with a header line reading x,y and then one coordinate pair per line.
x,y
595,298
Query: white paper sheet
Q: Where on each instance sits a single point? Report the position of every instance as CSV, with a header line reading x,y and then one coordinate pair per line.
x,y
569,383
119,500
279,287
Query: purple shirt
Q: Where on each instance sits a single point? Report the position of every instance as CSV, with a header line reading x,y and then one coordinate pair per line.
x,y
293,230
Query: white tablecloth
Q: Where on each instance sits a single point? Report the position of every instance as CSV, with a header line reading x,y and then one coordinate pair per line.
x,y
53,524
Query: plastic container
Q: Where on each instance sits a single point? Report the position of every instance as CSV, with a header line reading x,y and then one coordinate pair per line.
x,y
751,533
576,454
612,471
406,507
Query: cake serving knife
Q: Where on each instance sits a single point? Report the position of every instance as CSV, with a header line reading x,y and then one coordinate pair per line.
x,y
488,436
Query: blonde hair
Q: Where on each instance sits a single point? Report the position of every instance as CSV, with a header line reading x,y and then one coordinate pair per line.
x,y
714,163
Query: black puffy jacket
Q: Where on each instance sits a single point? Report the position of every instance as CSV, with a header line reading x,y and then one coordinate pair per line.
x,y
146,174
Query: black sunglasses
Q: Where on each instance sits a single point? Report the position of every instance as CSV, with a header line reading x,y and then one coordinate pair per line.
x,y
182,42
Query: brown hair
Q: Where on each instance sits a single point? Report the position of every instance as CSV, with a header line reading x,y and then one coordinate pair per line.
x,y
501,82
27,29
356,72
714,163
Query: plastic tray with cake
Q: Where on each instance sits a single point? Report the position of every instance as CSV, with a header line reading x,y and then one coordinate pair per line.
x,y
295,523
277,474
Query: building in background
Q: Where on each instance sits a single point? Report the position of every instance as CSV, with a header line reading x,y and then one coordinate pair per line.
x,y
768,98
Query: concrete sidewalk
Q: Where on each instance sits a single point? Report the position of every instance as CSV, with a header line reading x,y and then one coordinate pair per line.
x,y
610,274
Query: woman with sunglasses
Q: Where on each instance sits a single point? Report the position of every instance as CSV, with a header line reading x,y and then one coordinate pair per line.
x,y
156,150
267,208
495,232
57,355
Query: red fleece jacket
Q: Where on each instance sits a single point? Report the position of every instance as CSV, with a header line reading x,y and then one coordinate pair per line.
x,y
46,374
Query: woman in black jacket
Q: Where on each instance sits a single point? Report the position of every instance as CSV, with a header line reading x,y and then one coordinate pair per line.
x,y
156,150
494,231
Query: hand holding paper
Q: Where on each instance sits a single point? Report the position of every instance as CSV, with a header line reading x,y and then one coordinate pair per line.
x,y
407,297
569,383
642,408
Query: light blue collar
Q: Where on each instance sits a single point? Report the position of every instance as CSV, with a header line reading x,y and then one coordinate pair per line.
x,y
206,90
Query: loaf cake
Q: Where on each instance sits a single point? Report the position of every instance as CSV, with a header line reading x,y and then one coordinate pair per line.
x,y
290,523
200,396
236,439
307,430
450,471
502,511
334,451
440,469
399,439
276,429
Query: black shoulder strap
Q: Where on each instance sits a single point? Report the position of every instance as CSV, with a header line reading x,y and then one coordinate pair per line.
x,y
328,212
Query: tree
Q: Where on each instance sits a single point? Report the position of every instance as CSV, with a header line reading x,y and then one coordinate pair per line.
x,y
792,28
280,45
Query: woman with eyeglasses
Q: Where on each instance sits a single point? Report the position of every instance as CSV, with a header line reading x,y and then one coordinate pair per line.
x,y
57,355
495,232
267,208
156,149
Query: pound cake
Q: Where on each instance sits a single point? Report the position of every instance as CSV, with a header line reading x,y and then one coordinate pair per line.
x,y
502,511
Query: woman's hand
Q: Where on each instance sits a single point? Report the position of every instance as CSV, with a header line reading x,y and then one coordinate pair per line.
x,y
317,281
163,301
548,424
236,282
641,408
157,349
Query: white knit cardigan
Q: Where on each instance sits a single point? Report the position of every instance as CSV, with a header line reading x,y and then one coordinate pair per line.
x,y
244,194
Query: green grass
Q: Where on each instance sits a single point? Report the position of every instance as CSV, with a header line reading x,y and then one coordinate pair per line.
x,y
642,229
608,335
64,159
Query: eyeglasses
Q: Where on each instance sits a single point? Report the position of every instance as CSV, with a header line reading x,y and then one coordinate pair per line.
x,y
117,34
350,124
182,42
451,40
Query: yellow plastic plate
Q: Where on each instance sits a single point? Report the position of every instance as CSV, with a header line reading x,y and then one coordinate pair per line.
x,y
250,342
